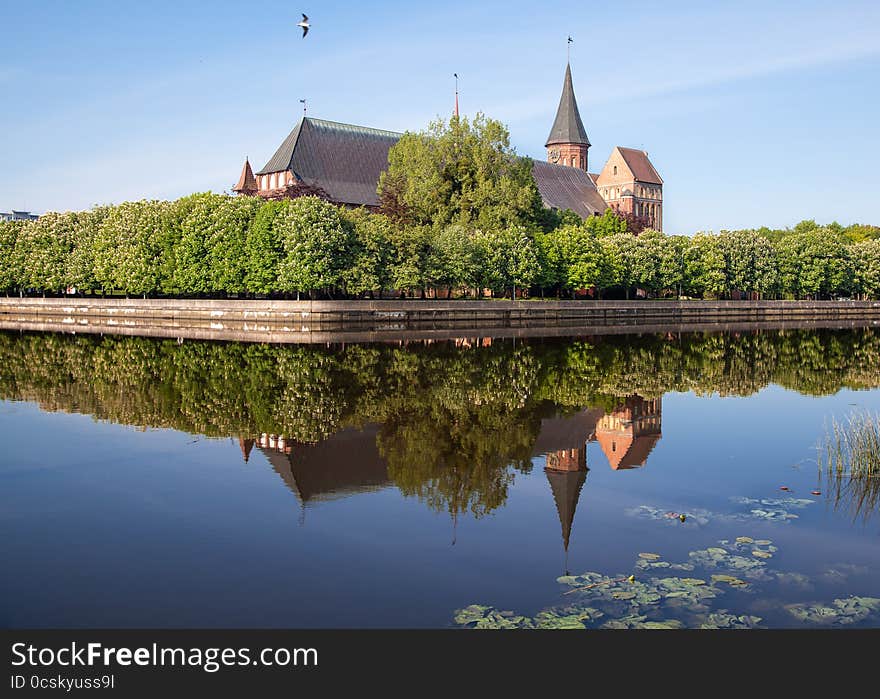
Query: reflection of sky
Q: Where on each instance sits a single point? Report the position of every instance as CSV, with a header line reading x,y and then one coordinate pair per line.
x,y
106,525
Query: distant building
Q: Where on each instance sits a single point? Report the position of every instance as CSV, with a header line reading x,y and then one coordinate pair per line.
x,y
345,161
629,183
18,216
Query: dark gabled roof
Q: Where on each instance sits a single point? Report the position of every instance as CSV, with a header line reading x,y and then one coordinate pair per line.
x,y
570,432
568,127
345,463
563,187
344,160
641,167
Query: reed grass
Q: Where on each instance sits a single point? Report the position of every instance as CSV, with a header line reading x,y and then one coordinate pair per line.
x,y
851,462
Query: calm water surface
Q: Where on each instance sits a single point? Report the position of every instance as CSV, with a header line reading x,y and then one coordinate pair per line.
x,y
148,483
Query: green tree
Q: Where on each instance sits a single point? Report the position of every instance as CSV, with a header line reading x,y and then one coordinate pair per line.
x,y
129,246
749,262
263,250
511,259
647,260
410,269
43,249
625,245
462,172
209,255
317,246
814,264
866,264
578,256
373,252
454,258
11,267
79,268
705,272
609,223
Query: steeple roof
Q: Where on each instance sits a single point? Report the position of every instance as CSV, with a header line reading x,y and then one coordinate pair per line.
x,y
568,127
566,487
247,182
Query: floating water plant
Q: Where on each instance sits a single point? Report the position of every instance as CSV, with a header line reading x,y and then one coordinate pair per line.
x,y
730,572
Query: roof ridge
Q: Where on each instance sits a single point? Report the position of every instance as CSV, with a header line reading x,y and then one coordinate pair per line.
x,y
329,122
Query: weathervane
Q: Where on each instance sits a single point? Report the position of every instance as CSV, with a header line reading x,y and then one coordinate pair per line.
x,y
568,50
304,106
456,93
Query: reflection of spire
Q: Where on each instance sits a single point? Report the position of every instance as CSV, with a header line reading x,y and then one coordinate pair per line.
x,y
566,487
454,526
246,446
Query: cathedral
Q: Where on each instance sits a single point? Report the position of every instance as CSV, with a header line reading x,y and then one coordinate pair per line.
x,y
344,161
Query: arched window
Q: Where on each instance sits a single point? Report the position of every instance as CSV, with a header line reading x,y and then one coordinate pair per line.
x,y
615,169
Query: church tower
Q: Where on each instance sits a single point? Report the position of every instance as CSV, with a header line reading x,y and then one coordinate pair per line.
x,y
567,143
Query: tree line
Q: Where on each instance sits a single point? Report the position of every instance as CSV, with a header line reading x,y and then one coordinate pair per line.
x,y
213,244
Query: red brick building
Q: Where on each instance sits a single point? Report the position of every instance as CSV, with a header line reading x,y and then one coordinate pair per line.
x,y
628,182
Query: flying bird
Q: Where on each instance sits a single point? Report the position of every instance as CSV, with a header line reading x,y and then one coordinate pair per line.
x,y
305,25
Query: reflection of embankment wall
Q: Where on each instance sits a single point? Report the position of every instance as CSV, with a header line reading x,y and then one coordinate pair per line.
x,y
375,321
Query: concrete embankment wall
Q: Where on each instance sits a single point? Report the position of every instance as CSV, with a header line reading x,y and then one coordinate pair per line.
x,y
368,321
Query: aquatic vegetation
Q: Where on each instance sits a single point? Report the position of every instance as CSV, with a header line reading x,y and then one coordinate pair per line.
x,y
727,572
779,510
850,459
841,612
773,509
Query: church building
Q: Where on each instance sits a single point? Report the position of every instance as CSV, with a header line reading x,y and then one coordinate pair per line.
x,y
344,161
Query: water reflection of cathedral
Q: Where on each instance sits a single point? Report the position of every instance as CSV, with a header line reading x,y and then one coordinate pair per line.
x,y
349,461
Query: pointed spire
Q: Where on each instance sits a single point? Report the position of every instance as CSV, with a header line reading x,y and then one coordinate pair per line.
x,y
247,183
566,487
568,127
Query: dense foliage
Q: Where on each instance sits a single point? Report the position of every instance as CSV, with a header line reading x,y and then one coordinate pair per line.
x,y
210,244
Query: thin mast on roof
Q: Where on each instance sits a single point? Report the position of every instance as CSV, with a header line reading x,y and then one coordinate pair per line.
x,y
456,94
304,106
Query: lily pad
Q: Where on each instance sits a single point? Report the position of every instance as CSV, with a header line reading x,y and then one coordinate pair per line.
x,y
729,579
650,556
841,612
722,619
744,540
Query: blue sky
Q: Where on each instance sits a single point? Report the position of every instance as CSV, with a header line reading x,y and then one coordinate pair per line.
x,y
754,113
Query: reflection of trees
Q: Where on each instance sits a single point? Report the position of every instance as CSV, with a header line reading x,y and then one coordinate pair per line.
x,y
453,419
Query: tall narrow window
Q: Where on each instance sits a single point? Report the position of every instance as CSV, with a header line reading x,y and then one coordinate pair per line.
x,y
615,169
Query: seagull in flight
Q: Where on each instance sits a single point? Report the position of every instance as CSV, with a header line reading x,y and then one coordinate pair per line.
x,y
305,25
